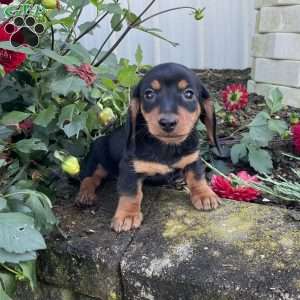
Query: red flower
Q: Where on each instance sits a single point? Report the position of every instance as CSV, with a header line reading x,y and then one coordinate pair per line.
x,y
26,125
6,1
10,60
235,97
226,188
84,71
296,137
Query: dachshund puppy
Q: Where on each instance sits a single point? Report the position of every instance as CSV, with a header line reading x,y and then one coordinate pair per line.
x,y
159,138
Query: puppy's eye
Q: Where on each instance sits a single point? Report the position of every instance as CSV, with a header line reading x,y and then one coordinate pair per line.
x,y
149,94
188,94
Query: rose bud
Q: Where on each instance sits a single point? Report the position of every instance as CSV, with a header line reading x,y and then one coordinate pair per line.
x,y
70,164
106,116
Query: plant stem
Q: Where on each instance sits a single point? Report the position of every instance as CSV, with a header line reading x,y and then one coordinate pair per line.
x,y
259,187
9,269
129,27
165,11
90,28
74,25
107,39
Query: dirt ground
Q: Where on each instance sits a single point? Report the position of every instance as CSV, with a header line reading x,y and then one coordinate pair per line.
x,y
216,81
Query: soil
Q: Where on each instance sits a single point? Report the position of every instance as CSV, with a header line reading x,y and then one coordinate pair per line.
x,y
216,81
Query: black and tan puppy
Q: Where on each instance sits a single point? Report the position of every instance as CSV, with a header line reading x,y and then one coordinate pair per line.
x,y
159,138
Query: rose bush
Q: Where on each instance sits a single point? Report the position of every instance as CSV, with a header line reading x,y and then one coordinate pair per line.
x,y
56,97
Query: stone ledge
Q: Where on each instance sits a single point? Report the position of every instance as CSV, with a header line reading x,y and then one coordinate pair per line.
x,y
278,72
291,95
280,19
265,3
241,251
277,46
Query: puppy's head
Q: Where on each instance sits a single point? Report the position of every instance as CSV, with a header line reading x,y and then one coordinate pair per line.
x,y
171,99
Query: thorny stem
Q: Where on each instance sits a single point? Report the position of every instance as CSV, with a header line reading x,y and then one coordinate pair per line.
x,y
107,39
90,28
73,28
9,269
129,27
165,11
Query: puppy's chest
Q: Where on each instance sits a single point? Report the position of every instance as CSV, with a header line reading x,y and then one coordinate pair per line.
x,y
151,167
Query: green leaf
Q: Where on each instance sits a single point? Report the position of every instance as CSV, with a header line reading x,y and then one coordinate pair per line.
x,y
139,55
3,204
30,145
67,114
46,116
260,160
3,295
278,126
74,127
7,284
65,86
112,8
65,60
9,46
116,22
127,76
18,235
14,118
29,272
238,151
80,51
14,258
41,206
96,93
275,100
5,132
259,131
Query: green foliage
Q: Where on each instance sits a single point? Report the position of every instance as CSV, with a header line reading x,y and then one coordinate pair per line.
x,y
49,104
263,128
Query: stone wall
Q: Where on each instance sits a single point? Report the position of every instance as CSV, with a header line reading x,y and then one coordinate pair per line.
x,y
276,49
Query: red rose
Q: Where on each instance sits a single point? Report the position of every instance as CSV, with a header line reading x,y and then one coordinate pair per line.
x,y
226,189
6,1
10,60
84,71
296,137
235,97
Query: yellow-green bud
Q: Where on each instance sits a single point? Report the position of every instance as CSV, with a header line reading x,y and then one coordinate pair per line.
x,y
106,116
70,164
50,4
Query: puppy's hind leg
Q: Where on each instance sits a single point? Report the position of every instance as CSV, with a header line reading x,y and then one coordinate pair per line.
x,y
88,186
93,174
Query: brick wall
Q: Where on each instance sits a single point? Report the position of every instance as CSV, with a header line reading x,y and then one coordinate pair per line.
x,y
276,49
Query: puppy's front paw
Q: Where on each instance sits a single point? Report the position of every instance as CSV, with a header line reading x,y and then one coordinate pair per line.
x,y
121,222
128,215
205,200
85,198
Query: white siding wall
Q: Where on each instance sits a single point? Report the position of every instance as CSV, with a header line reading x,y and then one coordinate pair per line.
x,y
221,41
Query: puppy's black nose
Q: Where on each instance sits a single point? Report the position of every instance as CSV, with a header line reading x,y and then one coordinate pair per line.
x,y
168,123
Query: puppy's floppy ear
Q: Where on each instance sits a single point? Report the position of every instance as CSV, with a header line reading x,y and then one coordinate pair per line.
x,y
208,115
133,111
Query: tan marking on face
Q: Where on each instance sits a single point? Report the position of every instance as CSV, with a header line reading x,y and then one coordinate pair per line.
x,y
202,196
186,122
150,168
155,84
186,160
128,213
183,84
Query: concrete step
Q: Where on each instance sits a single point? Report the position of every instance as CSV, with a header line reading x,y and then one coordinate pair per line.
x,y
240,251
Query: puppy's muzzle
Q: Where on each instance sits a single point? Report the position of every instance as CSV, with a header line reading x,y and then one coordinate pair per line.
x,y
168,122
